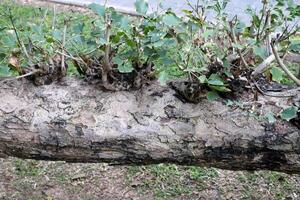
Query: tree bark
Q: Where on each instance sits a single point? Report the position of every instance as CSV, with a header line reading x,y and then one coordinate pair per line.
x,y
76,122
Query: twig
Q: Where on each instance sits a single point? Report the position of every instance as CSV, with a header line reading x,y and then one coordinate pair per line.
x,y
263,66
72,57
282,65
286,94
19,77
17,35
54,17
63,67
235,42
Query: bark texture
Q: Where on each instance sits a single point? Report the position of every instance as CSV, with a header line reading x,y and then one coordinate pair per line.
x,y
75,122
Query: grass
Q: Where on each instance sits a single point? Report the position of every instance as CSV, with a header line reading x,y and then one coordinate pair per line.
x,y
41,29
29,179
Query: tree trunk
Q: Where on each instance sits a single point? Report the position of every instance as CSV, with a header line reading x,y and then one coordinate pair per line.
x,y
76,122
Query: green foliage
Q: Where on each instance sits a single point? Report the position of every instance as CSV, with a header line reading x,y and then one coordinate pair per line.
x,y
141,6
289,113
98,9
270,117
277,74
175,47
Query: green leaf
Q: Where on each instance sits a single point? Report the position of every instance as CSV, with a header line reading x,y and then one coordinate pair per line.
x,y
259,51
163,77
4,71
208,33
141,6
238,46
212,96
277,74
215,82
124,66
57,35
220,88
202,79
214,79
270,117
171,20
98,9
289,113
295,44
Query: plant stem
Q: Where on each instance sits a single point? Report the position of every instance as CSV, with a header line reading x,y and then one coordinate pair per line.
x,y
235,42
282,65
63,66
17,36
19,77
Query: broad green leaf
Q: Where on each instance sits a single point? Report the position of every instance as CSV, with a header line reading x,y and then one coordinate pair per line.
x,y
215,82
289,113
121,20
118,60
270,117
214,79
4,71
98,9
123,66
259,51
277,74
141,6
295,44
208,33
9,41
126,67
220,88
212,95
171,20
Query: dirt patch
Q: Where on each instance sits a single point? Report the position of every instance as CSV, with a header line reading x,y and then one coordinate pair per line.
x,y
27,179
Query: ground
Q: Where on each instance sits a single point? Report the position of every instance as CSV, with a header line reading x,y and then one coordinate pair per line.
x,y
34,180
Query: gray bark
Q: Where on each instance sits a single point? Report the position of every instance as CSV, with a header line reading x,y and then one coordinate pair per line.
x,y
76,122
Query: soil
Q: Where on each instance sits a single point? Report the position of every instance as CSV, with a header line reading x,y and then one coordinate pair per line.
x,y
27,179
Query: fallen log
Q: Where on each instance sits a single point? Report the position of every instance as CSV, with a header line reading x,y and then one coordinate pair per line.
x,y
76,122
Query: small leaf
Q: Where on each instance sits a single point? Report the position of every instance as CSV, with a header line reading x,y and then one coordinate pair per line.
x,y
212,96
141,6
163,77
171,20
202,79
270,117
277,74
98,9
289,113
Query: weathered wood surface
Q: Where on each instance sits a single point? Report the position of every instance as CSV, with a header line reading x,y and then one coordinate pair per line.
x,y
76,122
